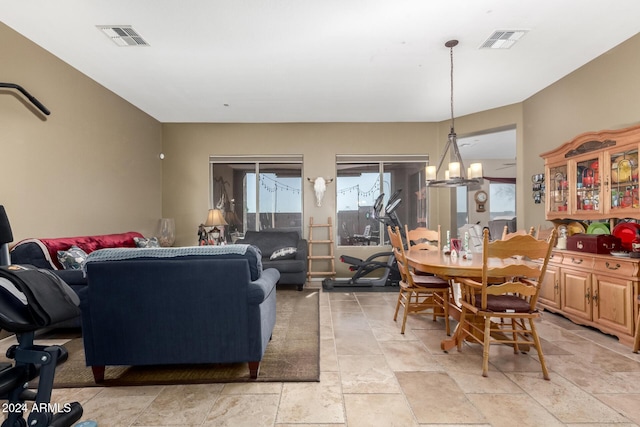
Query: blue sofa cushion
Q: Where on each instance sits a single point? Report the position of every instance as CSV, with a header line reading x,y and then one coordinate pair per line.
x,y
271,240
249,252
285,265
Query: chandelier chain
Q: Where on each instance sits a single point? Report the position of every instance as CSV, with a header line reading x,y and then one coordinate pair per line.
x,y
451,78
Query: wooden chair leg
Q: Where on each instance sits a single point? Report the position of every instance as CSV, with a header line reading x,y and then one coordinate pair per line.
x,y
485,346
515,336
636,341
445,298
395,315
407,304
460,329
536,340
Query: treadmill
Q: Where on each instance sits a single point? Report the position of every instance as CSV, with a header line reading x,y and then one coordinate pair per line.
x,y
384,261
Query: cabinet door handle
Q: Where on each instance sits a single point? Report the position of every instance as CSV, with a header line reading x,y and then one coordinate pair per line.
x,y
556,288
595,298
612,267
588,296
576,261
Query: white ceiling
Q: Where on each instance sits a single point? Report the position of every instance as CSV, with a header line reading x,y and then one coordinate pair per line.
x,y
322,60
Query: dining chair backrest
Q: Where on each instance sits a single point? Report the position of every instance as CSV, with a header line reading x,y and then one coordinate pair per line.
x,y
544,233
397,247
507,235
423,238
521,259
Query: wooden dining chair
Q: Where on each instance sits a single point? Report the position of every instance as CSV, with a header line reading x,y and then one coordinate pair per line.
x,y
423,238
418,293
544,233
506,234
522,260
636,340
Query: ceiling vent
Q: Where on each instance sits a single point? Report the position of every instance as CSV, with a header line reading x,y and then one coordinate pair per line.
x,y
503,39
123,35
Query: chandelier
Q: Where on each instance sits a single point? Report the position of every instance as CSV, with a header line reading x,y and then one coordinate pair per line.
x,y
456,175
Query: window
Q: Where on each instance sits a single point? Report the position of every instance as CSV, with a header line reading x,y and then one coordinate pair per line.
x,y
359,182
462,208
257,193
502,198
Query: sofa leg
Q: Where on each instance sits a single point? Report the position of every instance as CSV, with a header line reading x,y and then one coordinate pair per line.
x,y
254,367
98,374
300,287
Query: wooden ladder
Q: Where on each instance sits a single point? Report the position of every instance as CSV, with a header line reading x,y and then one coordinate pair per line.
x,y
325,259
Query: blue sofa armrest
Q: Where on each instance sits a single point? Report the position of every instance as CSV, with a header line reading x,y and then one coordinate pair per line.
x,y
260,289
301,249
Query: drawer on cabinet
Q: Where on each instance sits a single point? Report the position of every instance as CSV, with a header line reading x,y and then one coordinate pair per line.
x,y
615,266
555,258
577,260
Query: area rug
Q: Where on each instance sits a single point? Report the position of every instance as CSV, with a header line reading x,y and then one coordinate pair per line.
x,y
293,354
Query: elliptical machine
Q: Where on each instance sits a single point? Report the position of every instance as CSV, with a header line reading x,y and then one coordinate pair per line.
x,y
31,299
384,261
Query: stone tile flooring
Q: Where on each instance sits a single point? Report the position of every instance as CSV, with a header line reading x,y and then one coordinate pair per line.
x,y
371,375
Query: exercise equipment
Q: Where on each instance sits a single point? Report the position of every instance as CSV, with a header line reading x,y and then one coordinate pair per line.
x,y
384,261
32,299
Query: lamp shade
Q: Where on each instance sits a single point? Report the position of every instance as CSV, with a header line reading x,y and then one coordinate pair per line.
x,y
475,170
6,235
454,170
215,218
430,172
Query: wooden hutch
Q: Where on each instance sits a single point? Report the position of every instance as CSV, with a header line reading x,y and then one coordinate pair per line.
x,y
594,177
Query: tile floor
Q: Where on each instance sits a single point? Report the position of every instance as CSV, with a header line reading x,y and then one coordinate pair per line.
x,y
371,375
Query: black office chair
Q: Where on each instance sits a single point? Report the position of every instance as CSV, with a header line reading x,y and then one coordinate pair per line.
x,y
31,299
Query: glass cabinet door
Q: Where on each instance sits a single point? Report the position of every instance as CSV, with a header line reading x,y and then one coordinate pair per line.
x,y
558,190
587,196
624,180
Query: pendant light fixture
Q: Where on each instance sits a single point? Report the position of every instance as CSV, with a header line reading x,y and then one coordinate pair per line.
x,y
456,175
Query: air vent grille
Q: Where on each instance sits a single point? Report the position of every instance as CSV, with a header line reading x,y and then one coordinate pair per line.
x,y
503,39
123,35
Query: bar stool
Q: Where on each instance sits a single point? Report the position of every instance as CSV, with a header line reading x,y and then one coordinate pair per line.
x,y
636,341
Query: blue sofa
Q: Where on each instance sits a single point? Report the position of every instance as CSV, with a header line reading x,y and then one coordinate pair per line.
x,y
163,306
292,266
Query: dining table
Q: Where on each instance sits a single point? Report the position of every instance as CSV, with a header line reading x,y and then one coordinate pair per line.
x,y
448,267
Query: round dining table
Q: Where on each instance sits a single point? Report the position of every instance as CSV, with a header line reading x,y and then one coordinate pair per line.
x,y
448,267
442,264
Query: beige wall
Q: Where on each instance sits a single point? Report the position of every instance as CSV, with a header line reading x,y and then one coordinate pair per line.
x,y
188,147
603,94
91,167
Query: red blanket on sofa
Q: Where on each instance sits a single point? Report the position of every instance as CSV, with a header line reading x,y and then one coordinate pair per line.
x,y
86,243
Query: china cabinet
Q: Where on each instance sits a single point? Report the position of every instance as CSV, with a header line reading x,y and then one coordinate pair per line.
x,y
550,287
594,176
593,289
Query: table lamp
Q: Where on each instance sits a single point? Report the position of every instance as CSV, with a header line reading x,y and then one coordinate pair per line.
x,y
215,218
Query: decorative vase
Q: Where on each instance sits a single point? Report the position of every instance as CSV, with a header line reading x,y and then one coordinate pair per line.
x,y
167,232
